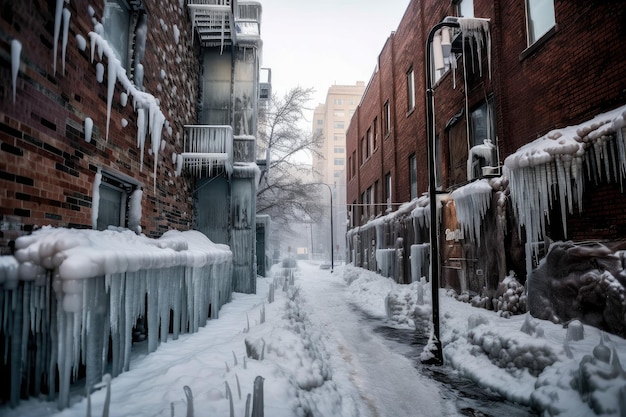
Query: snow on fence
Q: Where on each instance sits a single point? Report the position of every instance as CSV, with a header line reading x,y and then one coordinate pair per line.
x,y
70,300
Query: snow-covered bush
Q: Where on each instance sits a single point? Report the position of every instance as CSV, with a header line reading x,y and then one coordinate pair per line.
x,y
510,297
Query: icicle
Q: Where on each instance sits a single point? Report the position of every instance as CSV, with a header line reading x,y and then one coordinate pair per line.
x,y
141,134
88,129
57,28
16,50
111,80
66,27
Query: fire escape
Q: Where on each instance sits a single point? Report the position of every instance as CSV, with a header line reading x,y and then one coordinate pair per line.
x,y
209,149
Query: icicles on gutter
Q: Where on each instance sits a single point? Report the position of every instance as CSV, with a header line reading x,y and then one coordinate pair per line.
x,y
472,202
478,30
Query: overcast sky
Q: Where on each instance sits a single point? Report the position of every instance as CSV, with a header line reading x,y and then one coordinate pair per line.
x,y
325,42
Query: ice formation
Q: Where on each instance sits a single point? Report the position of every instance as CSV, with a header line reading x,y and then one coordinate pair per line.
x,y
419,261
99,72
385,261
101,283
478,30
563,157
88,129
176,34
16,51
82,43
472,202
66,27
142,102
58,10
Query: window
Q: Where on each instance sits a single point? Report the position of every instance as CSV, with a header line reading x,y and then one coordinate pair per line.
x,y
113,202
339,161
339,113
388,190
410,90
364,153
375,127
116,28
375,198
465,8
482,123
320,122
337,174
370,140
370,201
337,137
441,59
413,175
339,149
339,125
386,118
352,162
364,205
338,101
350,167
539,18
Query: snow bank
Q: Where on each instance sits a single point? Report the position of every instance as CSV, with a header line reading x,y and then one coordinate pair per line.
x,y
528,361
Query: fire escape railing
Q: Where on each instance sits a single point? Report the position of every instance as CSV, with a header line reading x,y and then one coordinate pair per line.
x,y
208,150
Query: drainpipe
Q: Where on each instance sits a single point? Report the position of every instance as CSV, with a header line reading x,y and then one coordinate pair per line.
x,y
437,352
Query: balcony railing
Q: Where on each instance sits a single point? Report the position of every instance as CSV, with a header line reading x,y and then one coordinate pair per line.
x,y
248,23
208,150
212,20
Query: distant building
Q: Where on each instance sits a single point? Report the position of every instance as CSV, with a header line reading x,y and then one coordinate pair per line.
x,y
330,121
522,73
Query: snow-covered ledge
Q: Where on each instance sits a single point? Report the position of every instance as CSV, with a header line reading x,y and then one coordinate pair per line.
x,y
76,289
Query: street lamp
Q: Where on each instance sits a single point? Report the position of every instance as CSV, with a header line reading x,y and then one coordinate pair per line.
x,y
451,22
332,232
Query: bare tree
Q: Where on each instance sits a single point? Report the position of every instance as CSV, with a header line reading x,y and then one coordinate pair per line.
x,y
285,193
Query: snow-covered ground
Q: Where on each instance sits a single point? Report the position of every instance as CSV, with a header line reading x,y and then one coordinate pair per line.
x,y
316,359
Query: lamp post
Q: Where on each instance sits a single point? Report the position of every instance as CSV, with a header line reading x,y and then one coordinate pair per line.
x,y
450,22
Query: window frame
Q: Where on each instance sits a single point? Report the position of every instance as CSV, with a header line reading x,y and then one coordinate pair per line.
x,y
124,56
388,194
122,184
410,90
387,118
533,36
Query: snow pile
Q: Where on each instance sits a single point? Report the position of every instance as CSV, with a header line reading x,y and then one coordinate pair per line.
x,y
403,306
510,297
295,348
529,361
83,253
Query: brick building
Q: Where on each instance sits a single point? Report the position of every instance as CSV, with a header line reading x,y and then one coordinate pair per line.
x,y
517,75
123,115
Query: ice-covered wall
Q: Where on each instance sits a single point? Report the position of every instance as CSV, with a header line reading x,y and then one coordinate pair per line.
x,y
73,293
553,169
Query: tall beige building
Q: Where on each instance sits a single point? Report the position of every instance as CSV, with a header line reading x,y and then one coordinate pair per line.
x,y
330,120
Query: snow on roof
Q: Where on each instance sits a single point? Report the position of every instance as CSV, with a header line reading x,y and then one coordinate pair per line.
x,y
85,253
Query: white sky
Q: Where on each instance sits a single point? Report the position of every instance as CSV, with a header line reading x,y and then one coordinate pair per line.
x,y
325,42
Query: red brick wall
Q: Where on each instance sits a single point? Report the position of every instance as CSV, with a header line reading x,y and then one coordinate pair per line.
x,y
572,76
565,79
47,169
